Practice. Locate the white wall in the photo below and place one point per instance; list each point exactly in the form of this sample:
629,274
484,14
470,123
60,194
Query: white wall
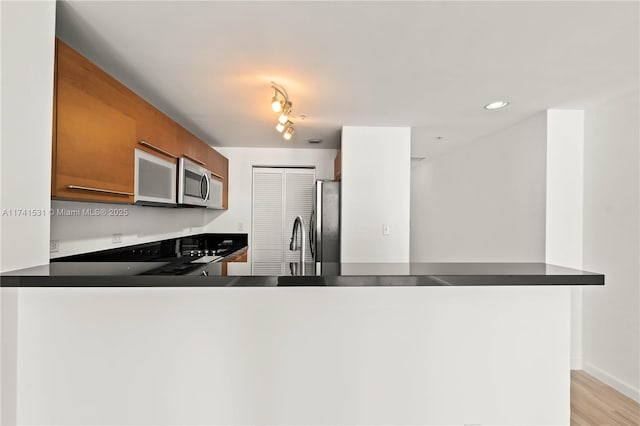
85,233
28,31
611,314
376,183
484,201
27,38
241,161
276,356
565,142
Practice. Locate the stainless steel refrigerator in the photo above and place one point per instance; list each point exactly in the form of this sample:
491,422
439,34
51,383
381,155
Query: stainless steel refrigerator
324,235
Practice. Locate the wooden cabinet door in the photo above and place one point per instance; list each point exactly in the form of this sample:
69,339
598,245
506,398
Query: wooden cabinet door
95,132
191,147
218,164
155,132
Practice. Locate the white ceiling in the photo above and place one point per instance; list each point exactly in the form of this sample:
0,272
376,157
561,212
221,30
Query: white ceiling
428,65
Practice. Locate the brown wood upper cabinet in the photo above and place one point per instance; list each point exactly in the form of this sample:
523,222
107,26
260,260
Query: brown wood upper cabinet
155,132
98,122
337,166
219,167
191,147
95,132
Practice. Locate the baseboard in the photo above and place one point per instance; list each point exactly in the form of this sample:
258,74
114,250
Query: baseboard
576,363
614,382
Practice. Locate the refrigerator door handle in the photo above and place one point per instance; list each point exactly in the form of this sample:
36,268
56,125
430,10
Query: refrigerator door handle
312,239
317,224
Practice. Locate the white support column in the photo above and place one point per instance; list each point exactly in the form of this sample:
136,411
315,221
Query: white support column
376,190
565,145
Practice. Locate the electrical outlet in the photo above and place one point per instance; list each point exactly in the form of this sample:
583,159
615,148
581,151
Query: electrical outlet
54,246
116,238
385,230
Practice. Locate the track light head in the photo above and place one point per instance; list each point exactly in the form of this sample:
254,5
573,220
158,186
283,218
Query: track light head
280,127
288,133
276,104
284,117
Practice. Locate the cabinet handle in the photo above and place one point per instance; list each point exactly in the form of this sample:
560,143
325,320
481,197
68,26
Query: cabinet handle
218,176
108,191
193,159
155,148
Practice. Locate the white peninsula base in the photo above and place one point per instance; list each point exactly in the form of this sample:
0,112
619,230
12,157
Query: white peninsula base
298,355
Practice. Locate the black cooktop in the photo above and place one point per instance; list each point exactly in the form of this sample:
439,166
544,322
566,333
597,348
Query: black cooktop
192,246
173,256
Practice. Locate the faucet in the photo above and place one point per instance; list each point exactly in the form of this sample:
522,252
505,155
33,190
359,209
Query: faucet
298,228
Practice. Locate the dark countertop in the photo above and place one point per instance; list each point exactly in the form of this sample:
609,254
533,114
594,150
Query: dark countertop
179,262
132,274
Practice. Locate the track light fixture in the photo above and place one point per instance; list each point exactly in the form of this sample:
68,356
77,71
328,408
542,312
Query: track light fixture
280,103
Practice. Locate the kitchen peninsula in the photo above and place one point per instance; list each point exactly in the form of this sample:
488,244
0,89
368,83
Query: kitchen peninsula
389,343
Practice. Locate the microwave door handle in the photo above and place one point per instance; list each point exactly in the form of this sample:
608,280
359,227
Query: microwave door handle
202,196
206,197
208,179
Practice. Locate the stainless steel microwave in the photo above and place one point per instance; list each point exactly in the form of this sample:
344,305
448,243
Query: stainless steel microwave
196,187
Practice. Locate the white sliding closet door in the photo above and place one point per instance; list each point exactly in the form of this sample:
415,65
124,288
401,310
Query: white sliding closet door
279,195
267,230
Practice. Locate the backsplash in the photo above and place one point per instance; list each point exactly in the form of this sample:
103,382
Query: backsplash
80,227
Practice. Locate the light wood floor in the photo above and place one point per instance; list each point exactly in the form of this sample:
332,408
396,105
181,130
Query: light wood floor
595,404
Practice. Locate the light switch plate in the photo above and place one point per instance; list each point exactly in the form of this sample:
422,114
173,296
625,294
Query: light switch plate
54,246
116,238
385,230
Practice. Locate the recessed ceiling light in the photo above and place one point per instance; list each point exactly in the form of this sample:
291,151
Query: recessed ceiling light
496,105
